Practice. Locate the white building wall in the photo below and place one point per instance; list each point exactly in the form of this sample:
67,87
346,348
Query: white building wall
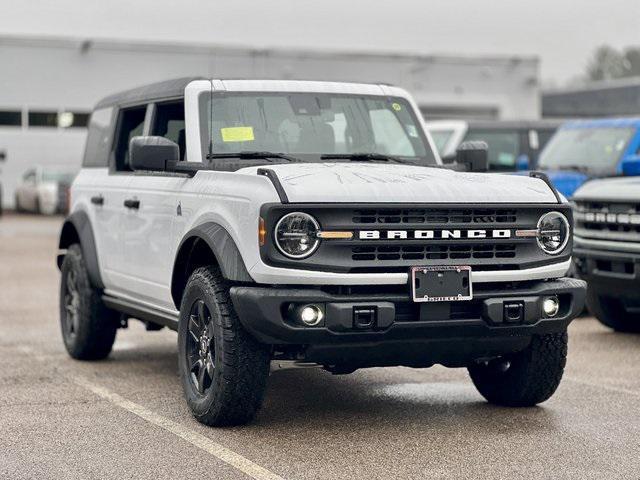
72,75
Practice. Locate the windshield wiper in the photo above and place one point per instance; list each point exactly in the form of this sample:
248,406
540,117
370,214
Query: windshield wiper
363,157
253,155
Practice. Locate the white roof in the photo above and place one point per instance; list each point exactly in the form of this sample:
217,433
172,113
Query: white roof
307,86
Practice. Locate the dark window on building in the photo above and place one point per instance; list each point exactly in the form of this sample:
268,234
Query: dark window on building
130,124
169,123
43,119
463,112
96,153
9,118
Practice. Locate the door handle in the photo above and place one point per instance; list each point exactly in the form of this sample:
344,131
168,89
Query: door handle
132,203
97,200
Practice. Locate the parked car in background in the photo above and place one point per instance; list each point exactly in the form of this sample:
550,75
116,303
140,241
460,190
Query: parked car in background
607,249
585,149
513,145
44,190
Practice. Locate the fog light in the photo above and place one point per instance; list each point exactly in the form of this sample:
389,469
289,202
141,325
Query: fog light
550,306
311,315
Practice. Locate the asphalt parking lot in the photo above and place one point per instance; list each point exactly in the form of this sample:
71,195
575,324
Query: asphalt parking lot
125,417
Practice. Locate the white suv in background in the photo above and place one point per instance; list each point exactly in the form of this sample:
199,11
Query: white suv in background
44,190
309,222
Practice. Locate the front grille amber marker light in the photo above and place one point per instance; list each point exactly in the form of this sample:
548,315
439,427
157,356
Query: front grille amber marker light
527,233
335,235
262,232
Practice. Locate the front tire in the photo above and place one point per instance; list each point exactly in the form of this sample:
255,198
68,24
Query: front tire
223,369
611,312
88,326
526,378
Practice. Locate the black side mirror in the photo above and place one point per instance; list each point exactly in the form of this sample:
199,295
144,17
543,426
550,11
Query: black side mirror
474,156
152,153
3,155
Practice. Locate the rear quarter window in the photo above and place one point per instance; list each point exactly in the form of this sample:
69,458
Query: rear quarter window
96,152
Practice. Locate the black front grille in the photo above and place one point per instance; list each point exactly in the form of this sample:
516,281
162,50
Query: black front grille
608,221
394,238
433,252
438,216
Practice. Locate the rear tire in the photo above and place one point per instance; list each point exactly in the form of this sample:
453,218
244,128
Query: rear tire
611,312
223,369
88,326
526,378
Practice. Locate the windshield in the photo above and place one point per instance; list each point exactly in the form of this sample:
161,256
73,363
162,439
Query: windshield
441,138
591,149
308,125
503,145
53,176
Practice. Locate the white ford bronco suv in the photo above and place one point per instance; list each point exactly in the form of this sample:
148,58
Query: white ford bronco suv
310,223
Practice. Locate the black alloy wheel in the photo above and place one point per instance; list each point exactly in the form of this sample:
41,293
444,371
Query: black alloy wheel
200,351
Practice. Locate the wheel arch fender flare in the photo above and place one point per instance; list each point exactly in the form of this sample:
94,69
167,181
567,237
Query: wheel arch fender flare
77,229
220,243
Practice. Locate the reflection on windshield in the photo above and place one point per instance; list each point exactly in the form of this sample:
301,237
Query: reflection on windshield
589,149
312,124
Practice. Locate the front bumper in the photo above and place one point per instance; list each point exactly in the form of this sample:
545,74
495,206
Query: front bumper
608,271
407,333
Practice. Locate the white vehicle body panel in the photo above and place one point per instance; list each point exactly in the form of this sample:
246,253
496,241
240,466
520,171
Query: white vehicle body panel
611,189
392,183
137,248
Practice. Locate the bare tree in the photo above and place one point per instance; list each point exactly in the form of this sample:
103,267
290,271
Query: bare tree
608,63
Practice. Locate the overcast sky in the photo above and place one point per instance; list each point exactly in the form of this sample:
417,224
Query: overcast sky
561,32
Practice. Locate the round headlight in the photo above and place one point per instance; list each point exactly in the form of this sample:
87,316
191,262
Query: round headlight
296,235
553,232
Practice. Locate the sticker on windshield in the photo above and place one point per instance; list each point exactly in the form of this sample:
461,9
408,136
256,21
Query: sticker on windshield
396,106
237,134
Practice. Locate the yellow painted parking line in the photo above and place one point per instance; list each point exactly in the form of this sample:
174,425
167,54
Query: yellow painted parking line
230,457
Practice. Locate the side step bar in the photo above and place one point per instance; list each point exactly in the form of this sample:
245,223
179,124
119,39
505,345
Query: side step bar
141,312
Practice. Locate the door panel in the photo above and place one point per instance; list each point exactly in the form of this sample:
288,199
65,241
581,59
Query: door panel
108,218
148,247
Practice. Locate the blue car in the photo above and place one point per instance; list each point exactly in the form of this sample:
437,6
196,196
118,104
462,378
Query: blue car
585,149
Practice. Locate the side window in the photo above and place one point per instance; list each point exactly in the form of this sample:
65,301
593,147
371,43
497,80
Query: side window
545,136
130,124
96,152
29,177
169,123
504,146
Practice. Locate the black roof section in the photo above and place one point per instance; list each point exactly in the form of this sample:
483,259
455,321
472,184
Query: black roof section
153,91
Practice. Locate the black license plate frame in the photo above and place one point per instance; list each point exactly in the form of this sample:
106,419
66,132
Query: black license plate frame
441,283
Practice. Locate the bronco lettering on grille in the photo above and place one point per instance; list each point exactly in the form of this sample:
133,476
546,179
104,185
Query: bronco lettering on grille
432,234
